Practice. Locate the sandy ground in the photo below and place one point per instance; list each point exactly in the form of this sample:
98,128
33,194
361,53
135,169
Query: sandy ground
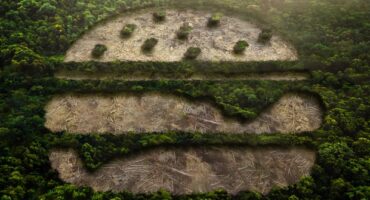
184,171
133,77
151,112
216,43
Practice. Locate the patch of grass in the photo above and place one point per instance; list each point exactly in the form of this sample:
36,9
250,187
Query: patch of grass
192,53
184,31
265,36
159,16
99,50
240,46
149,44
128,30
215,20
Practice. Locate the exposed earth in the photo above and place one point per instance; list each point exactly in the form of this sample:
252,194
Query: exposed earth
189,170
72,75
151,112
216,43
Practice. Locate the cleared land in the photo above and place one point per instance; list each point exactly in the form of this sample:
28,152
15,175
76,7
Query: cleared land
216,43
184,171
151,112
71,75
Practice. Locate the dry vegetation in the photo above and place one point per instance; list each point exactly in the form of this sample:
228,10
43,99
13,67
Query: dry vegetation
151,112
183,171
216,43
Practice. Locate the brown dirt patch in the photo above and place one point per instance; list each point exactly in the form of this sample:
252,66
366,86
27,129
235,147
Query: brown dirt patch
119,114
184,171
132,77
216,43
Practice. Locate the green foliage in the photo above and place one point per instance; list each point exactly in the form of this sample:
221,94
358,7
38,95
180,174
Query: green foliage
98,51
215,20
335,154
184,31
240,46
178,69
149,44
22,57
265,36
192,53
128,30
159,16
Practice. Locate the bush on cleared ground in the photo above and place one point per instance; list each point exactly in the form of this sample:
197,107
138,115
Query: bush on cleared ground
184,31
192,53
240,46
159,16
215,20
265,36
128,30
99,50
149,44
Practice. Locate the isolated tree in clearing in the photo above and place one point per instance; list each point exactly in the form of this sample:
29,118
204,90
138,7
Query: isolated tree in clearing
128,30
265,36
149,44
159,16
192,53
99,50
184,31
215,20
240,46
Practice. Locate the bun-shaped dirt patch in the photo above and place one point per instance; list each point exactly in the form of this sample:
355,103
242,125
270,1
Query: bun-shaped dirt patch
215,42
190,170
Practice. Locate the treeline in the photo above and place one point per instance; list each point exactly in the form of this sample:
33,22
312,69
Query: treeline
179,68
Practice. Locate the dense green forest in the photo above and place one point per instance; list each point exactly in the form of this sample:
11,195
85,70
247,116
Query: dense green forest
333,42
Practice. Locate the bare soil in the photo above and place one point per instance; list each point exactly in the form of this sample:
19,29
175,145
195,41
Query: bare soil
216,43
133,77
151,112
184,171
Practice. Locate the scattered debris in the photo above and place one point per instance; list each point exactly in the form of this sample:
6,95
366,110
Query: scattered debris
189,170
151,112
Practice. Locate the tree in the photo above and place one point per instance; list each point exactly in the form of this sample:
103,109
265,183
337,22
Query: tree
98,51
23,58
149,44
334,156
159,16
127,30
192,53
265,36
215,20
184,31
240,46
47,9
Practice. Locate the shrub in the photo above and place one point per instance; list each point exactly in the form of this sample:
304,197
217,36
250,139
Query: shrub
240,46
192,53
149,44
159,16
184,31
98,50
127,30
265,36
215,20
